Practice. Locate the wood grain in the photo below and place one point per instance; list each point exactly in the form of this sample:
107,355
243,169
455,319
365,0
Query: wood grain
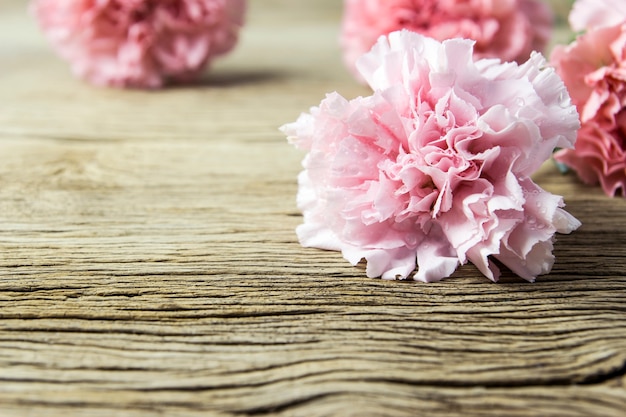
149,267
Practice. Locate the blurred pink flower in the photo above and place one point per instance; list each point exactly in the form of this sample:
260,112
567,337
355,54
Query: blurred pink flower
593,68
506,29
434,168
600,156
590,14
140,43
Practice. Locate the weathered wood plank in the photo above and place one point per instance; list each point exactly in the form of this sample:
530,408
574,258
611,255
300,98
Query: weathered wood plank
148,263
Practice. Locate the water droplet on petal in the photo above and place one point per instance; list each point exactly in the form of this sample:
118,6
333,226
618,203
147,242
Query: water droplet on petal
353,171
541,208
411,240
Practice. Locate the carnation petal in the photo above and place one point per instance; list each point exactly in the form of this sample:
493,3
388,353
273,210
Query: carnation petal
436,261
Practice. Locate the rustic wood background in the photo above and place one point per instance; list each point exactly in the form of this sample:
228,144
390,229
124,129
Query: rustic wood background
149,265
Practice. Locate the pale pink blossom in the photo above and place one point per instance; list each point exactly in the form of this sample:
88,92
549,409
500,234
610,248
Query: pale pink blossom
593,68
433,169
590,14
506,29
140,43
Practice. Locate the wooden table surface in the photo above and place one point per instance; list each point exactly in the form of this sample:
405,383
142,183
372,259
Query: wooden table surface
149,265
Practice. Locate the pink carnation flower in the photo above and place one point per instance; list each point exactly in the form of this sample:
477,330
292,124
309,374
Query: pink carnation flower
432,170
506,29
594,69
590,14
140,43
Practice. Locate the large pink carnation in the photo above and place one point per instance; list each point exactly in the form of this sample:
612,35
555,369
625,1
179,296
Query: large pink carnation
594,69
434,168
140,43
506,29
